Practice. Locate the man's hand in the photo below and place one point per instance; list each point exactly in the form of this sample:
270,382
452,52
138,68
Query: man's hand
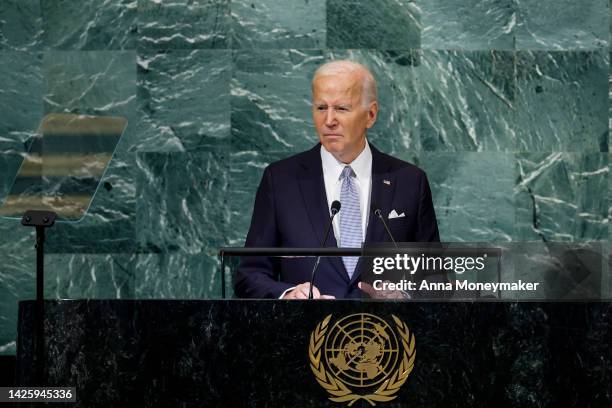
301,292
382,294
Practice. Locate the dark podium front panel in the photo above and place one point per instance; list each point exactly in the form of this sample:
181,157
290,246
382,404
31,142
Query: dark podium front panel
258,353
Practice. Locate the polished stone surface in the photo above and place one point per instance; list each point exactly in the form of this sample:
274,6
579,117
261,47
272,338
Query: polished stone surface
453,187
504,103
270,100
183,100
255,353
182,234
89,25
468,100
274,24
468,24
373,24
20,25
183,24
245,173
190,191
562,101
21,100
178,275
94,276
562,24
559,197
90,82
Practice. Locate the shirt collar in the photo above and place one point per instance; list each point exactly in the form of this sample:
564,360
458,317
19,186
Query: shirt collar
362,165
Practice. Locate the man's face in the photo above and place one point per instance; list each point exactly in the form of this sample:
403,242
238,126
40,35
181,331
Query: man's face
340,116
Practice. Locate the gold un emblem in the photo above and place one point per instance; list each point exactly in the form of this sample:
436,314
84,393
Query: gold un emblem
361,356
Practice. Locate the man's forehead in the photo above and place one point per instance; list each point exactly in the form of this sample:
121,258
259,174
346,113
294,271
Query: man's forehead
336,85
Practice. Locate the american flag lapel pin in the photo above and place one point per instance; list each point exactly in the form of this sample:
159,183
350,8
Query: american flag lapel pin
387,182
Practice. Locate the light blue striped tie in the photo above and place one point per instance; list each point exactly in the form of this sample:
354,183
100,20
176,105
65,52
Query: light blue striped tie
350,218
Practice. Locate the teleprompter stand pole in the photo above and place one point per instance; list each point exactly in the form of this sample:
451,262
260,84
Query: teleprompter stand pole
41,220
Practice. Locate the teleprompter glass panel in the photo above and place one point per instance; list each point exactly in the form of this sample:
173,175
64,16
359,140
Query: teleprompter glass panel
64,164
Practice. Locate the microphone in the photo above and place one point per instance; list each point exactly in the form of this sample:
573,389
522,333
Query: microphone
378,213
335,209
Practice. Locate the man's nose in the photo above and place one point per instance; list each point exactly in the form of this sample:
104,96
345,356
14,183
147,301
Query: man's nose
330,117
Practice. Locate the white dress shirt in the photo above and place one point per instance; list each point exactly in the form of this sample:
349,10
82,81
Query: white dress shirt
362,166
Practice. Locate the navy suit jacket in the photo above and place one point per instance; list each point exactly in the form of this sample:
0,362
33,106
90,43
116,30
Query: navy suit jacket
291,210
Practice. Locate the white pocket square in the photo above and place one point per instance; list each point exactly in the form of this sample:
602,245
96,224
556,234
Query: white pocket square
394,214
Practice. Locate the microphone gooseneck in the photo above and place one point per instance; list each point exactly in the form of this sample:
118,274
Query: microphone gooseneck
378,213
335,209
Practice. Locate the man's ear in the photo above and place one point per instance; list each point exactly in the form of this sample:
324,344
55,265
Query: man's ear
372,114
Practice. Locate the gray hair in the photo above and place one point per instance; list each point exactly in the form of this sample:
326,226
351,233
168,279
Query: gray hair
368,91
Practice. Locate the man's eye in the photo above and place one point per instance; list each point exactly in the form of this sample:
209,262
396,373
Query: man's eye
321,108
343,109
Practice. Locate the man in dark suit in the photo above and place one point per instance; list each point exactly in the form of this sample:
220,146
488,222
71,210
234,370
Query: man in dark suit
292,205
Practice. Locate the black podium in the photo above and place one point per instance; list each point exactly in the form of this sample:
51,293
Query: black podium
234,353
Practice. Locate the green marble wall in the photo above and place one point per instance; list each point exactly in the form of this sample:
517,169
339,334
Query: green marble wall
503,103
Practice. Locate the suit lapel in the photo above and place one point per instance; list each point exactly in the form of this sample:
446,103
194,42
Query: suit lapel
312,187
381,196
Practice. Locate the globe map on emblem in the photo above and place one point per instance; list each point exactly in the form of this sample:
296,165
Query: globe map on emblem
361,350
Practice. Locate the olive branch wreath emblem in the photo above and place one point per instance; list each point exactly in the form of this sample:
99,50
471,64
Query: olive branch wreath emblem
338,391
